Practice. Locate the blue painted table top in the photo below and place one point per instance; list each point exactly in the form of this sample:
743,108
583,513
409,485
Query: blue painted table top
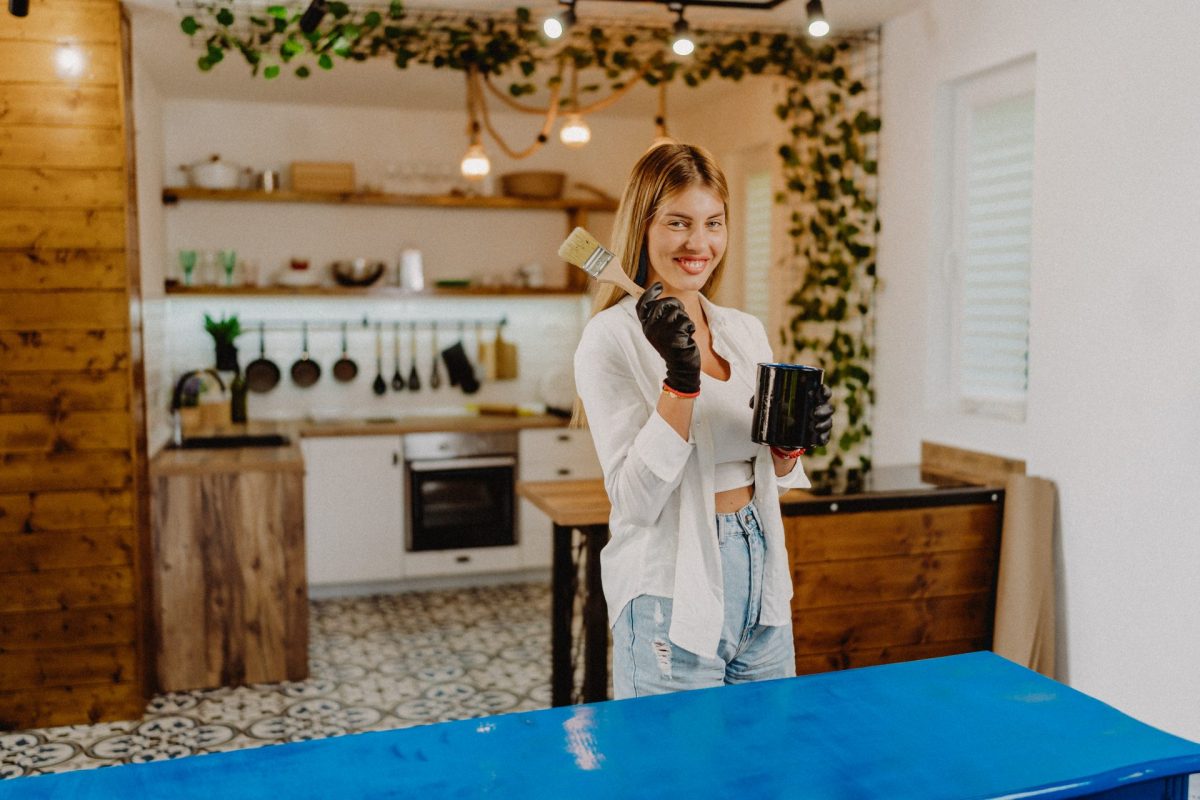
967,726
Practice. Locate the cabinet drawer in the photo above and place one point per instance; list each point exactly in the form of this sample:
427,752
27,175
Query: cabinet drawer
461,562
557,454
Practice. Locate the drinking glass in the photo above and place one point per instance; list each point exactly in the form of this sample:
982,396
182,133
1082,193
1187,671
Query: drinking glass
187,263
228,263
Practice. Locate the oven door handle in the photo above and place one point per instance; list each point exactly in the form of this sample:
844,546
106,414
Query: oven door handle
463,463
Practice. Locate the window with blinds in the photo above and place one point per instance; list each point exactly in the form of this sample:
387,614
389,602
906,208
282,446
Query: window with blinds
991,233
757,256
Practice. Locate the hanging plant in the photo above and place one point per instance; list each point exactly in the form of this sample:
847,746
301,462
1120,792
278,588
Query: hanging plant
828,159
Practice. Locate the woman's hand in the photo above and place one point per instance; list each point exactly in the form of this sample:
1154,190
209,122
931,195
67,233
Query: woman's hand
822,426
669,330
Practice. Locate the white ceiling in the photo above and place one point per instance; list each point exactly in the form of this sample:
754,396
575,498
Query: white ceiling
169,57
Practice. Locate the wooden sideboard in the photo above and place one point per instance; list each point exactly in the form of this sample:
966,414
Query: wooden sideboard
898,570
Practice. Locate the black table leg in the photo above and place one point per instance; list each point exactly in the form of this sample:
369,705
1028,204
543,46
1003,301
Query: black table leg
595,620
562,608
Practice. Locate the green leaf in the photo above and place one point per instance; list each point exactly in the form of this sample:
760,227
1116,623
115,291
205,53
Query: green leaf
302,71
271,72
338,9
278,12
204,64
225,17
372,19
395,9
325,61
189,25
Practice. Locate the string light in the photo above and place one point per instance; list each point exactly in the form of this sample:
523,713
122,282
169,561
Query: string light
556,25
817,25
682,44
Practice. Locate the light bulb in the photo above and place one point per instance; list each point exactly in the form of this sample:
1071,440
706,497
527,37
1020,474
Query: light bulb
69,60
683,45
817,26
575,132
475,164
552,27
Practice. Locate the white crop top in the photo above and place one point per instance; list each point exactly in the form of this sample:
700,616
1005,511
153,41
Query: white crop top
727,407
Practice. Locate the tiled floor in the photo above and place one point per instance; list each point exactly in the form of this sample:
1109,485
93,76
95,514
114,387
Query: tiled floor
377,663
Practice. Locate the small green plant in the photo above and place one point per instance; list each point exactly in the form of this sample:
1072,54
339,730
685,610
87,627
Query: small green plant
224,330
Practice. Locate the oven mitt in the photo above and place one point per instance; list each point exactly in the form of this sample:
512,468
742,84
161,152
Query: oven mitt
458,366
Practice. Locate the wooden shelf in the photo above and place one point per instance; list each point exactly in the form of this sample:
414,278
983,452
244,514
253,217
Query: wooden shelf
369,291
173,194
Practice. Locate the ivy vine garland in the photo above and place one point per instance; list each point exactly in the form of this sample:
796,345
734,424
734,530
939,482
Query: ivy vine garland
828,161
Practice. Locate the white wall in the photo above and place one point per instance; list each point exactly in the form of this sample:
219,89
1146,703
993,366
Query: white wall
456,243
1114,371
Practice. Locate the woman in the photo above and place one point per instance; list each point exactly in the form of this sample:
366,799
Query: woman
695,574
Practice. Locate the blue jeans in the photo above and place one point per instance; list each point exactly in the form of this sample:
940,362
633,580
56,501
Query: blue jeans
645,661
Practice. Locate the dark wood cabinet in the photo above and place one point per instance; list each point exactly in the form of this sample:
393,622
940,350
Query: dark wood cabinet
898,571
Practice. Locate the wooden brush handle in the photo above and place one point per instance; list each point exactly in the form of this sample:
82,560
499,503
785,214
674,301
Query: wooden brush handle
612,273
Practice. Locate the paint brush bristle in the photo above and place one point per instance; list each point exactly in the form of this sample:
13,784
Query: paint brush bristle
585,251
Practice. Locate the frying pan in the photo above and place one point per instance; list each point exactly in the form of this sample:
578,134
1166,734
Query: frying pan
344,369
262,374
305,371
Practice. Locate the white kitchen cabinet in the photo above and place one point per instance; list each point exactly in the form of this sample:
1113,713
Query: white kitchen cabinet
549,454
354,508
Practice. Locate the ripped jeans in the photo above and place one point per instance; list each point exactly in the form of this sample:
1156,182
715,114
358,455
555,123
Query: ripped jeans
646,662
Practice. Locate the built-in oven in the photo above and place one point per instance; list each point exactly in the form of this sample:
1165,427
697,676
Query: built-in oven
460,489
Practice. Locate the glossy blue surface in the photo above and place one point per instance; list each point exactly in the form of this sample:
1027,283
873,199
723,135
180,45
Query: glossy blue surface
969,726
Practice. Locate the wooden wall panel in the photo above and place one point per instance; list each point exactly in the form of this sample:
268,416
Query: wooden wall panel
57,228
74,351
940,619
57,146
839,583
54,187
60,104
84,627
71,705
40,551
895,533
37,62
64,432
63,310
37,472
72,532
45,270
63,391
81,587
851,659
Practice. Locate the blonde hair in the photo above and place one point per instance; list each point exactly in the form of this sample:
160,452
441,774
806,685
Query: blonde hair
662,172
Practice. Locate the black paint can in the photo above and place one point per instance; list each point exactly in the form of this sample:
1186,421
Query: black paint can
784,401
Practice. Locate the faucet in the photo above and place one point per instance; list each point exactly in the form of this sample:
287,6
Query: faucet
177,401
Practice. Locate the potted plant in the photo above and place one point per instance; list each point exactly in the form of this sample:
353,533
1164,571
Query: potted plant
224,332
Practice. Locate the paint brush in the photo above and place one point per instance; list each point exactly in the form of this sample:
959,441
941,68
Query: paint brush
584,251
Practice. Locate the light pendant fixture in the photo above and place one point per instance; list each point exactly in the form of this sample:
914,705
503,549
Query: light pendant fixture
817,25
475,164
575,132
682,44
555,26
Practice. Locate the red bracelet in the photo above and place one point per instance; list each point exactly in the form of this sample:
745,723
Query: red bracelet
787,454
677,393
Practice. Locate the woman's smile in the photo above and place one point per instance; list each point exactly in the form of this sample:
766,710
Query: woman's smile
686,240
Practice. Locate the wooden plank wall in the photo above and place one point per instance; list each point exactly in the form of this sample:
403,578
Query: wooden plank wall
72,449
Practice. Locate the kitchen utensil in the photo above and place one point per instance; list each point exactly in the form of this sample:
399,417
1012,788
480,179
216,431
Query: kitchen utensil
262,374
305,371
379,386
344,369
487,354
435,378
459,368
357,272
784,400
414,380
397,378
585,251
505,355
212,173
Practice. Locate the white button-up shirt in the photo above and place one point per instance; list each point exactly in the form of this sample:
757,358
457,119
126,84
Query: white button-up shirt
663,522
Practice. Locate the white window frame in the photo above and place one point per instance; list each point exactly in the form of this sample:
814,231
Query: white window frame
996,86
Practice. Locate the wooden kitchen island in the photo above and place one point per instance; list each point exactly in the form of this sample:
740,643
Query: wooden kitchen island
230,595
895,570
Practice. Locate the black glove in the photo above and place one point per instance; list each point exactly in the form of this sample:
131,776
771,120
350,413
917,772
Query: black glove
823,417
669,329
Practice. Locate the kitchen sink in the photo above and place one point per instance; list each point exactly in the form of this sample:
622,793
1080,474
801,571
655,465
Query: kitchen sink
226,442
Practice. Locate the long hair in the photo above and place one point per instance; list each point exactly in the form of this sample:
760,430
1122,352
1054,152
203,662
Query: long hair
662,172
